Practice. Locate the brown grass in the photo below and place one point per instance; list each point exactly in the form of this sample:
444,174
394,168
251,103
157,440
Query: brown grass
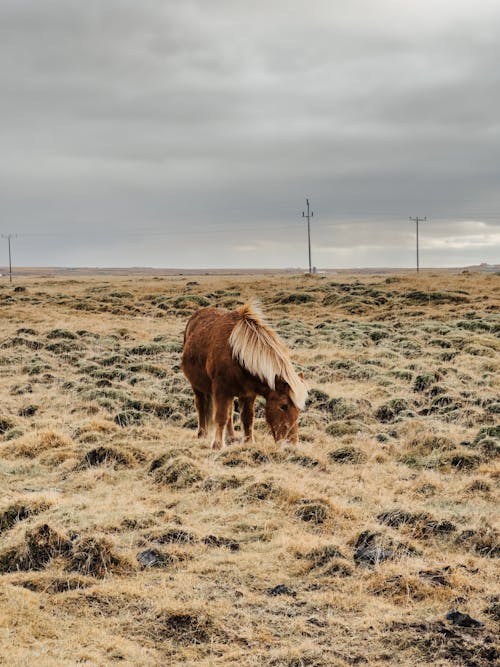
125,540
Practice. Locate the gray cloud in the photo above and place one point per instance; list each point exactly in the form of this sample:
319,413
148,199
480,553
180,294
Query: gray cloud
189,133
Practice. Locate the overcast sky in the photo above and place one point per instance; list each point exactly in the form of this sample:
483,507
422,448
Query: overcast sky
188,133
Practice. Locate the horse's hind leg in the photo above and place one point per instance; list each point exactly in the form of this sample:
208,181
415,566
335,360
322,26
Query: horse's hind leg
223,413
247,416
230,435
203,404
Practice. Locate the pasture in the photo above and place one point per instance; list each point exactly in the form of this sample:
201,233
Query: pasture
124,540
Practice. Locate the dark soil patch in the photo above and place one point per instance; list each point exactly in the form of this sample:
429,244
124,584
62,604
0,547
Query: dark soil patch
436,641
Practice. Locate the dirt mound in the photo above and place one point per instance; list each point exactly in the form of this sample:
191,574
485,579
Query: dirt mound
96,557
347,454
226,542
485,541
106,455
183,627
54,584
249,456
179,473
436,641
19,511
312,511
40,545
172,536
374,548
418,524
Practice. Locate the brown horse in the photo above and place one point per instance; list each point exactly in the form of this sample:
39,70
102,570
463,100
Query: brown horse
234,353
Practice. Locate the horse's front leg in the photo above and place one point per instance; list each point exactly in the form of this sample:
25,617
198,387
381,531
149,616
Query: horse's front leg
247,416
223,413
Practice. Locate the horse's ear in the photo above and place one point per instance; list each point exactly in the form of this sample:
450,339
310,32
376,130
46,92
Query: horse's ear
280,384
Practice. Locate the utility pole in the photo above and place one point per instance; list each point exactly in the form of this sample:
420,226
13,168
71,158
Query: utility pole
417,220
308,216
9,237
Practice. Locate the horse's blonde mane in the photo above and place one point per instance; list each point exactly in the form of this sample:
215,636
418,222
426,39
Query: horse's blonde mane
261,352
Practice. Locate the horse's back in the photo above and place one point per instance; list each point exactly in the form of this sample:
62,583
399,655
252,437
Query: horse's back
206,325
206,345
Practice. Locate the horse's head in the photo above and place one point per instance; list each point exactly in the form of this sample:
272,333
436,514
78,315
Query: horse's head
282,414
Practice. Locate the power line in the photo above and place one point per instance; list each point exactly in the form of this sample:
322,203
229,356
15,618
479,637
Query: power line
417,220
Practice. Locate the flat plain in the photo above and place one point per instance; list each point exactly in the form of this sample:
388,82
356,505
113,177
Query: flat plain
125,540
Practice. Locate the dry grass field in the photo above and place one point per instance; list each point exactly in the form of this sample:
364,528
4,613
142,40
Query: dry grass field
124,540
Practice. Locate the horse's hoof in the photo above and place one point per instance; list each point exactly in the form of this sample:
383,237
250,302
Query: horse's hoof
216,444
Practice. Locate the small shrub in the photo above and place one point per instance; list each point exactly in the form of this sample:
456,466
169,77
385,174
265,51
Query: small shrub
347,455
183,627
261,491
6,423
390,411
128,418
180,473
296,298
106,455
373,548
312,511
226,542
61,333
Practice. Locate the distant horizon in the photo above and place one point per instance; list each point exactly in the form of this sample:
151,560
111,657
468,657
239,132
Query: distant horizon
27,271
